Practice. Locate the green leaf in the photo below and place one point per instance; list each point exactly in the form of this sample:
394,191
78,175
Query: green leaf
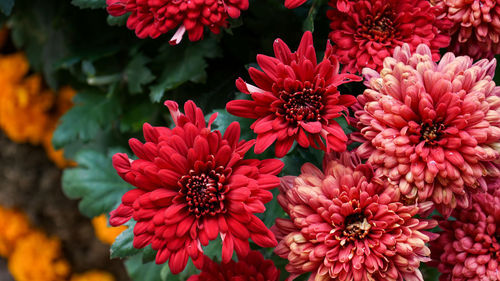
123,246
136,114
142,272
118,21
214,249
429,273
148,254
137,74
166,275
38,30
6,6
313,11
95,181
89,4
224,119
183,65
273,210
91,113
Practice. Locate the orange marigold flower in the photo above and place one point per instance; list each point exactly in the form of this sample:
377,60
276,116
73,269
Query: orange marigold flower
93,275
24,106
107,234
38,257
13,226
28,111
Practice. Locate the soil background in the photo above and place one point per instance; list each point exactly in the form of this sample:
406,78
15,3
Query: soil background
30,182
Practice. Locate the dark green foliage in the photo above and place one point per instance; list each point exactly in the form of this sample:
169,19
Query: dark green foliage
6,6
95,182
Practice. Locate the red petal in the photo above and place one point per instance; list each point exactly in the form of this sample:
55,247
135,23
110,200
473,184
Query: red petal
120,215
268,64
227,248
211,227
312,127
292,4
283,146
264,141
232,134
178,261
281,50
271,166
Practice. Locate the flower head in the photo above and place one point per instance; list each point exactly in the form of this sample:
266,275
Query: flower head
154,18
251,267
475,26
430,128
373,28
296,98
13,226
23,103
29,112
345,224
38,257
468,248
192,185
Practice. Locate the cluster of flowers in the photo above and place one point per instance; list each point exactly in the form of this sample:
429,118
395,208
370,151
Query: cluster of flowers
429,134
364,32
32,255
29,112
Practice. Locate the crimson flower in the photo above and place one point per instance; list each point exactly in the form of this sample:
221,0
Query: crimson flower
373,28
295,99
253,267
468,248
154,18
192,185
475,26
347,225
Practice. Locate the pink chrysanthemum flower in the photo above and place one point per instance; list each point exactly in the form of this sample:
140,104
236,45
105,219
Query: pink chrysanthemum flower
154,18
253,267
296,99
475,26
468,248
431,127
193,185
347,225
373,28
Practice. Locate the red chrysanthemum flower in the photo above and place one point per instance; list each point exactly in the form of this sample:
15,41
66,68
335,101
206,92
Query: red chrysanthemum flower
475,26
347,225
468,248
193,184
295,99
431,127
373,28
253,267
153,18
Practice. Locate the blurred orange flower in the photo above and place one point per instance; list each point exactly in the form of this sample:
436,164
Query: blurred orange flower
38,257
29,112
13,226
107,234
